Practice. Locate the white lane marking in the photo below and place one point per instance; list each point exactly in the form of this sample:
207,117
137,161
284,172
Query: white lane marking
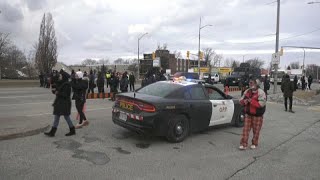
5,105
15,97
96,109
8,105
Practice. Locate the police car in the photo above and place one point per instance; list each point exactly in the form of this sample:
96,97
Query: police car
175,109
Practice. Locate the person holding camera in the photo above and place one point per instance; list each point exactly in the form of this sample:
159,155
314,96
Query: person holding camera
254,102
62,104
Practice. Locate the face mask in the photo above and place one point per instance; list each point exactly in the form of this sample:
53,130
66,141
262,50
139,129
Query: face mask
253,87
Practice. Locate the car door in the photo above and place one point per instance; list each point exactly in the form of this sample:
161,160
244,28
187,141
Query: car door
222,108
199,107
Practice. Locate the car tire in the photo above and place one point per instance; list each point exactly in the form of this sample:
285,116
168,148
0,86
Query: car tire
240,119
178,129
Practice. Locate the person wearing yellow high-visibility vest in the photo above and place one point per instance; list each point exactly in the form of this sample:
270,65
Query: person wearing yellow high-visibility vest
108,77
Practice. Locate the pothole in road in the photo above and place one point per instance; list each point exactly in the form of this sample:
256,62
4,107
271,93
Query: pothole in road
88,139
143,145
97,158
122,151
68,144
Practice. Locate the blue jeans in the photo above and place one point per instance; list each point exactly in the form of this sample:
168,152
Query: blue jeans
57,118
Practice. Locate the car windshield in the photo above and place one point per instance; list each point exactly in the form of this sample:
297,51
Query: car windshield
159,89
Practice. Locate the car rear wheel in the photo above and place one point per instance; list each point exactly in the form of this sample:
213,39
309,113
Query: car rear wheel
240,120
178,129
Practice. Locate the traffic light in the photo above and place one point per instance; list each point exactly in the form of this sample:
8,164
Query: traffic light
188,54
201,55
153,56
281,52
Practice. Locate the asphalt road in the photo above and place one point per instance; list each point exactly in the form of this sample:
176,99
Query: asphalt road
289,147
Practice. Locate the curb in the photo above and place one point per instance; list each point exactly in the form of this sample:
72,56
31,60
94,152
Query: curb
24,133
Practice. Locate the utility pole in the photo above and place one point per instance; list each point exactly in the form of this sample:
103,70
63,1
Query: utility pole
304,57
199,49
277,48
139,53
200,27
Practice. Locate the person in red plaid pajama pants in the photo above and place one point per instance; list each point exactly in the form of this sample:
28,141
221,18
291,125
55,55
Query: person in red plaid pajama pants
254,102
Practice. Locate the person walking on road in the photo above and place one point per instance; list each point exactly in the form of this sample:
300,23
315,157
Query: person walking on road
62,105
114,83
92,85
124,82
266,85
100,84
41,79
80,87
254,102
303,82
108,77
132,80
295,82
287,88
310,79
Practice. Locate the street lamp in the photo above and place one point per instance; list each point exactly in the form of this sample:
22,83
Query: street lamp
200,27
139,53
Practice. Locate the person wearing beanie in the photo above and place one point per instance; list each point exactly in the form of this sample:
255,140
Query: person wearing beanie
80,87
254,102
62,105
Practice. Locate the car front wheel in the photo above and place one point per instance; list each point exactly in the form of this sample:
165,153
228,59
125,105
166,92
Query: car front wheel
240,120
178,129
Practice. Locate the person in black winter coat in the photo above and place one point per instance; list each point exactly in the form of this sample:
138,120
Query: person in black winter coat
132,80
310,79
80,87
124,83
295,82
92,85
100,84
114,83
62,105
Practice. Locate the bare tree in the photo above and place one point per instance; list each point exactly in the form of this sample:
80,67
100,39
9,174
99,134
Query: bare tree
104,61
208,54
89,62
235,64
163,47
46,48
119,61
216,60
228,62
4,41
177,54
255,62
295,65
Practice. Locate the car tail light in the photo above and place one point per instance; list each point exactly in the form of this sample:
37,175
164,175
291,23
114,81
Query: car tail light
146,107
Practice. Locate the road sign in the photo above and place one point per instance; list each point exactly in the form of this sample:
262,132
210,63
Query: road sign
156,62
275,58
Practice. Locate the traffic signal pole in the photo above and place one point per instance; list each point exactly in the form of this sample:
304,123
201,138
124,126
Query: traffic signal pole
277,49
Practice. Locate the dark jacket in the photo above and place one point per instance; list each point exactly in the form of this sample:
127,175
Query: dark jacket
79,87
91,81
62,103
132,79
114,83
266,84
124,84
287,87
100,81
310,79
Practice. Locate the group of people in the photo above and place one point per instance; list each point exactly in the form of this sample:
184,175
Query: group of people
305,82
62,86
80,84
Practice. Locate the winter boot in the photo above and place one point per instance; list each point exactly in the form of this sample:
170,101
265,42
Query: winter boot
52,132
72,132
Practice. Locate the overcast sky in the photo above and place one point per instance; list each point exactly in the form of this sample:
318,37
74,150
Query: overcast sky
110,28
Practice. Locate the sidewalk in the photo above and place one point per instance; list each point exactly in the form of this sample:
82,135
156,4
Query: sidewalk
21,126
